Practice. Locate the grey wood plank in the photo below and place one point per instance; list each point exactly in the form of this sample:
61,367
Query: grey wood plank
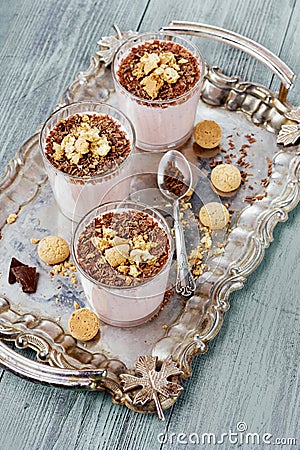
250,371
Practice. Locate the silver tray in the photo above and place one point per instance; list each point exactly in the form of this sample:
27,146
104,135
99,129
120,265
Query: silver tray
181,330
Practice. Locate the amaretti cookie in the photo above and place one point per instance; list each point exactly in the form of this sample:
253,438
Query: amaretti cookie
83,324
53,250
208,134
214,215
226,178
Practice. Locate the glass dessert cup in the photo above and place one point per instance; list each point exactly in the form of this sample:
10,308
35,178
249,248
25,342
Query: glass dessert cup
124,306
76,195
160,125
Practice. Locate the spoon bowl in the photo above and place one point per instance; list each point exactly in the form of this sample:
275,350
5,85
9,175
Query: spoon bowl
176,160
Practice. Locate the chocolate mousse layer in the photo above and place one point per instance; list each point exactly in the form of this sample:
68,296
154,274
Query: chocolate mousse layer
123,248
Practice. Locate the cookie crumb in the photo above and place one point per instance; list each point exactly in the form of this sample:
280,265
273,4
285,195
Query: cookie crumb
34,241
76,306
11,218
73,279
64,269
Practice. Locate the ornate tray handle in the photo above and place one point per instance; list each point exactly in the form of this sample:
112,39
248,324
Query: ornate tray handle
252,48
31,370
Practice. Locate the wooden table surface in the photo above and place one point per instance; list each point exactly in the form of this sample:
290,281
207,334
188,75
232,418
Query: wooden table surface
250,372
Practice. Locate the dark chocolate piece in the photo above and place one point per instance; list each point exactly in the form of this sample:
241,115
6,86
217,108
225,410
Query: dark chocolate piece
14,263
26,276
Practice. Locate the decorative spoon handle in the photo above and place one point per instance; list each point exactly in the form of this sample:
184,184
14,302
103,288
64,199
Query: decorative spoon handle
185,283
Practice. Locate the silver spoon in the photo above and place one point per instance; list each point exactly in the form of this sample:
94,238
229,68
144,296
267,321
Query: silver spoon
173,166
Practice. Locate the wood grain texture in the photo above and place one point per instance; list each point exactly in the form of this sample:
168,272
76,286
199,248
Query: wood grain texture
250,371
44,44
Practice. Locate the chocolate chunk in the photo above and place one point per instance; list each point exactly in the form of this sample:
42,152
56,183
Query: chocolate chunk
14,263
26,276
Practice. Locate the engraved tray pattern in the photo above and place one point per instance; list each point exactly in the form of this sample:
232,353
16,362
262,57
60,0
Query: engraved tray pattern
24,189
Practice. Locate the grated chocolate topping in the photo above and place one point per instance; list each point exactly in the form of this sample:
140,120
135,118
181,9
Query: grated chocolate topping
134,232
86,163
189,72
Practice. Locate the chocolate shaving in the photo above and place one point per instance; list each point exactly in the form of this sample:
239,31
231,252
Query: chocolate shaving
173,180
189,71
87,165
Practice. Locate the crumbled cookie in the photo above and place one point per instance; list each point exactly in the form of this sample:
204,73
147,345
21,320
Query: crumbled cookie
152,84
226,178
83,324
208,134
53,250
116,256
11,218
85,140
160,68
73,280
214,215
139,256
65,269
148,62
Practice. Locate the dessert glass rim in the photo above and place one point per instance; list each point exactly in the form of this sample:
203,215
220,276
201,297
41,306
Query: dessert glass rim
115,206
97,176
150,34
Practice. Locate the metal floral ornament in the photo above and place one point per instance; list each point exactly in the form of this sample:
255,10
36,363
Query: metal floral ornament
289,134
110,44
152,382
